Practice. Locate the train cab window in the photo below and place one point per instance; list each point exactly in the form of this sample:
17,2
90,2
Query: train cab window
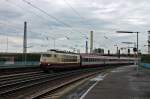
55,56
45,55
49,55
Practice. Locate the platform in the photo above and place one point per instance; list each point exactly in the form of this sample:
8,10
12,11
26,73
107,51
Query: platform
122,83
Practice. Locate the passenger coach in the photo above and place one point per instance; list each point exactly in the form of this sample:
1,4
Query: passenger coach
94,60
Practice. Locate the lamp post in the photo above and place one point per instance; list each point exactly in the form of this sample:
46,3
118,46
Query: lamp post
137,33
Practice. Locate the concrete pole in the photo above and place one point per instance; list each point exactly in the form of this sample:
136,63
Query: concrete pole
91,41
117,50
7,44
137,53
148,42
54,43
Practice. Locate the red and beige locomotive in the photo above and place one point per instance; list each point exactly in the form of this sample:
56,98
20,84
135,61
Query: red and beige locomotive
54,59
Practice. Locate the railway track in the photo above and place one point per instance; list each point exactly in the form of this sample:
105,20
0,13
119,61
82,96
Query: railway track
19,75
36,85
13,71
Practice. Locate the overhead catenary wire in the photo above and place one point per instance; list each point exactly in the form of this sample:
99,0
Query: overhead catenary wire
55,18
78,14
29,3
17,5
12,24
17,28
30,11
51,16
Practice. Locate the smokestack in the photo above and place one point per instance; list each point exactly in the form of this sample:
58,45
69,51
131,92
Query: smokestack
91,42
25,38
148,42
86,47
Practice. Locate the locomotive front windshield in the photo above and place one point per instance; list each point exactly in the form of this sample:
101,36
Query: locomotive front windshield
46,55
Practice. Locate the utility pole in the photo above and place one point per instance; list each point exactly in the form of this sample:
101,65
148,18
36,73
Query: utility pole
7,44
25,41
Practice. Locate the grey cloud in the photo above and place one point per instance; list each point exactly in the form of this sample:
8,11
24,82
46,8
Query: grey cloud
106,17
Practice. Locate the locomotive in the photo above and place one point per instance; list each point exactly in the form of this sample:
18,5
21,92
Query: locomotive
57,60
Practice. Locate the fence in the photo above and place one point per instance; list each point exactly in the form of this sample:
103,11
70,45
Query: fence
19,64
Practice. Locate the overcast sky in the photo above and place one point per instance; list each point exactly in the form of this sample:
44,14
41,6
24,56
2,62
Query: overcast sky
69,22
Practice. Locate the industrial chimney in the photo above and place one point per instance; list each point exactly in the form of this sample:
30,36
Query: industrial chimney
86,47
91,41
25,38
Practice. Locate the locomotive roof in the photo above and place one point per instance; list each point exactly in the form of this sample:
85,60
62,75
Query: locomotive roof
53,51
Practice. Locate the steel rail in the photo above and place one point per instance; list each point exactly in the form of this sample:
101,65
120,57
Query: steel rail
57,87
19,77
28,83
18,74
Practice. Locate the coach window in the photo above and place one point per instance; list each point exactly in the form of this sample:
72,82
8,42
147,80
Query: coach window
90,59
97,60
87,60
83,59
